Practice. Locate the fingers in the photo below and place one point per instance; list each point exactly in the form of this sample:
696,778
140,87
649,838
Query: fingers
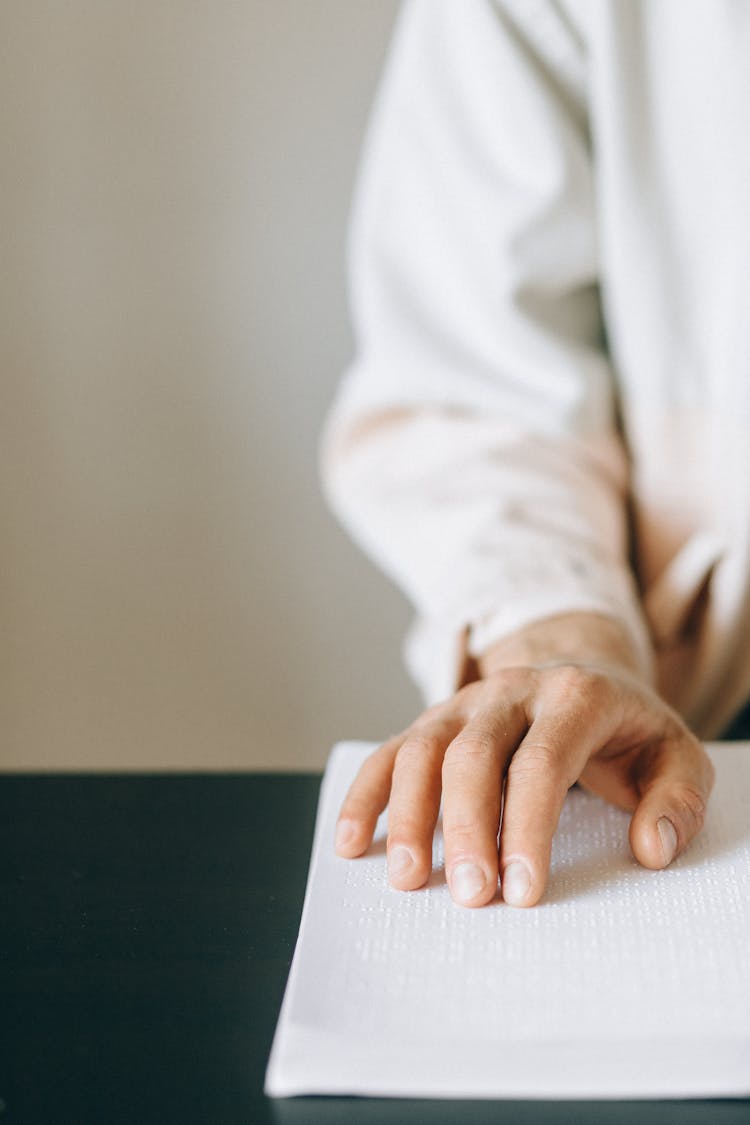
366,799
569,713
448,752
540,774
404,773
473,771
536,731
674,788
415,802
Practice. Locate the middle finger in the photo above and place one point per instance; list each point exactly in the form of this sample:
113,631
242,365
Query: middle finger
415,801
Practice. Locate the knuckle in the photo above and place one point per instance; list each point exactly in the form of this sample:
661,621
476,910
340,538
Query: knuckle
506,679
467,749
418,745
431,714
535,760
690,806
578,687
461,832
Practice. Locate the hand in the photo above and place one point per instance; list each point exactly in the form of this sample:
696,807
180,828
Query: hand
532,730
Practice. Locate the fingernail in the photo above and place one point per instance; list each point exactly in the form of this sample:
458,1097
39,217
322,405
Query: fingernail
345,833
400,860
515,883
467,880
668,838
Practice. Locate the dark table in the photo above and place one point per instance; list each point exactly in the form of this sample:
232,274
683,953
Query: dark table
147,924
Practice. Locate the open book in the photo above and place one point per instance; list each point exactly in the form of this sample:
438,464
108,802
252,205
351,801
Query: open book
622,983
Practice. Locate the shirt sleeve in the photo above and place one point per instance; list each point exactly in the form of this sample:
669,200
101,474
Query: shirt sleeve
473,449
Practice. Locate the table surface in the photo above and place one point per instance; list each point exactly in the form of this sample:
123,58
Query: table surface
147,925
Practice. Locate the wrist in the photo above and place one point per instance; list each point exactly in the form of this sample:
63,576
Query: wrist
570,638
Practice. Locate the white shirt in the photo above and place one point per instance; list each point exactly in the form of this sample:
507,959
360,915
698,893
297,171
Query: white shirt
549,408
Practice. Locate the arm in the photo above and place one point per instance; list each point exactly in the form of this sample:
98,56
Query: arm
474,452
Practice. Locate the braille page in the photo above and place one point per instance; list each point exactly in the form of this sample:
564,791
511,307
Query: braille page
622,983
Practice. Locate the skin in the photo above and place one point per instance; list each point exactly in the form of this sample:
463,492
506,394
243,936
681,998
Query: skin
558,703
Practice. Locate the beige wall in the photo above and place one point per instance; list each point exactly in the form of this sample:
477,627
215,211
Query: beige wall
174,182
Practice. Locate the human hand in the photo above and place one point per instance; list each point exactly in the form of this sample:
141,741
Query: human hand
531,732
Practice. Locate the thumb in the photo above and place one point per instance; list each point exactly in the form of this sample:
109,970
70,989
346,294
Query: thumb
674,791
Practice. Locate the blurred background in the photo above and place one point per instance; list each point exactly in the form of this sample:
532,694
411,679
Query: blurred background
175,180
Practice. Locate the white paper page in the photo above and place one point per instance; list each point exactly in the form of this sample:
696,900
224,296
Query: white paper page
623,982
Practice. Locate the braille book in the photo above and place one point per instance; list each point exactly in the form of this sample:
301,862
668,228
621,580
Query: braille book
622,982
